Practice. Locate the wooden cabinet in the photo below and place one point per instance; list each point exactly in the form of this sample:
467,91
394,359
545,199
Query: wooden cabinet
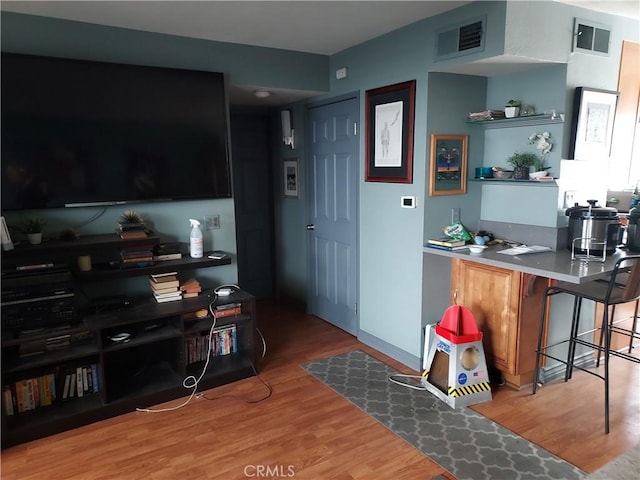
507,307
48,340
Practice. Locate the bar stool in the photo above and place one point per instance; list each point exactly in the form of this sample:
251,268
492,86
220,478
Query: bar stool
621,287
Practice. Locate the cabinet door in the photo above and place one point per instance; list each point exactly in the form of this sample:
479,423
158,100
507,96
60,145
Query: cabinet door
492,294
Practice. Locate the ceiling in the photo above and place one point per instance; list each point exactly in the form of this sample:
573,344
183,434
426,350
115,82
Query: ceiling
321,27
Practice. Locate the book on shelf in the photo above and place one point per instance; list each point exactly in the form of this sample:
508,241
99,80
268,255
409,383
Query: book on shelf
167,256
446,242
167,248
227,310
131,226
450,249
164,277
191,286
164,291
133,234
168,299
173,284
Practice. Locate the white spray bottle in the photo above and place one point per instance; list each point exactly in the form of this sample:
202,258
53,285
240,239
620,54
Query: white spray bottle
195,239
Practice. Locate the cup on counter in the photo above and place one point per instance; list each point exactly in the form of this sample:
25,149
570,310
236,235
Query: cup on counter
484,172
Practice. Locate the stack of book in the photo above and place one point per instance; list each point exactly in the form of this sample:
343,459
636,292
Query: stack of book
446,243
165,287
131,230
486,115
167,251
221,311
190,288
138,256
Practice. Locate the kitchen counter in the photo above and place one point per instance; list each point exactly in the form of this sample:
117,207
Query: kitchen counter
555,265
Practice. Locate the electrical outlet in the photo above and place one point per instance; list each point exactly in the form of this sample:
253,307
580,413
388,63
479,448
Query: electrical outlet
211,222
569,198
455,215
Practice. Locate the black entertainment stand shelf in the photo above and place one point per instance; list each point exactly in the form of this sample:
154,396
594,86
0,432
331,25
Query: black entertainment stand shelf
106,272
157,344
83,350
81,245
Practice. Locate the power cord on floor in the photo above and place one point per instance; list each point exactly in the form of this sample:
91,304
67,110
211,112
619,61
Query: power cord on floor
410,381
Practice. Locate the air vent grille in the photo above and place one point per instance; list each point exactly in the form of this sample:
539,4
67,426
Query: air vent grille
470,36
591,37
461,39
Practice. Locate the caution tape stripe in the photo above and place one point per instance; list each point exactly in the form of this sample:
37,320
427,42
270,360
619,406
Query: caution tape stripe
469,389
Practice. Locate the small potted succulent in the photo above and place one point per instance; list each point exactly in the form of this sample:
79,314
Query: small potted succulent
512,108
32,228
521,163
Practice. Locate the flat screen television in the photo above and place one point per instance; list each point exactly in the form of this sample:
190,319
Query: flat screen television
83,133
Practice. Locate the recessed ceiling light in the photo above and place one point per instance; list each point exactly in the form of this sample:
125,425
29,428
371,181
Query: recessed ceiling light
262,93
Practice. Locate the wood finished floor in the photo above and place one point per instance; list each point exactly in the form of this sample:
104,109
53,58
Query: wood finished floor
306,431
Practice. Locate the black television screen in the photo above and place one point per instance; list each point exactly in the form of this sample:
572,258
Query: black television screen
78,133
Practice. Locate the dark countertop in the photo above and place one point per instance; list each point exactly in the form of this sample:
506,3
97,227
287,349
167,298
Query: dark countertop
555,265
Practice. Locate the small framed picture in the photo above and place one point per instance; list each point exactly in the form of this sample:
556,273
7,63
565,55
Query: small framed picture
291,178
448,165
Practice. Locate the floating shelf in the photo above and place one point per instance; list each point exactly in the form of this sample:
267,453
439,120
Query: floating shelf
517,121
511,181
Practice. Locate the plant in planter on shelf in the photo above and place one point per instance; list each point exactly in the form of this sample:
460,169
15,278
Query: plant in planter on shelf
521,163
130,216
543,144
32,227
512,108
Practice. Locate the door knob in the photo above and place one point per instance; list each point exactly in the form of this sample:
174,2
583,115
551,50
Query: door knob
311,227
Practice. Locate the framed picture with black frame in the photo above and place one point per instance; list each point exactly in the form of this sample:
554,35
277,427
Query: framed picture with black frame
594,111
291,178
448,165
389,123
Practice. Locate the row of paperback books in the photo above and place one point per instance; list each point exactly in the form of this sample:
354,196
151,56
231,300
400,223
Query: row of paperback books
223,342
42,391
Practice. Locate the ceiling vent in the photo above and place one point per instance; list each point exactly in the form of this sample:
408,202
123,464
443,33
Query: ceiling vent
591,37
460,40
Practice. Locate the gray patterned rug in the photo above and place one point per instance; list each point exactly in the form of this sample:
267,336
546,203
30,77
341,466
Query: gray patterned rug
463,442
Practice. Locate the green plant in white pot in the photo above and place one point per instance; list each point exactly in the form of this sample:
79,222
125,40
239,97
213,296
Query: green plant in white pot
521,163
542,141
512,108
32,228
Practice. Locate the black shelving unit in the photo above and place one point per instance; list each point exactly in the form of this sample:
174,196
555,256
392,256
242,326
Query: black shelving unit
147,369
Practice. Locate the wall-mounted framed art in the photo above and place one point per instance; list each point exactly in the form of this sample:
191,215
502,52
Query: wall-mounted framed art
291,178
389,122
448,165
594,111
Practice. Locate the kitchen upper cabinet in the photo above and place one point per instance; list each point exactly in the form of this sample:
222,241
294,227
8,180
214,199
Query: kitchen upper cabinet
507,307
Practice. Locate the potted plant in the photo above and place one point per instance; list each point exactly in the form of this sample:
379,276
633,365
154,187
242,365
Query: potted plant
521,163
32,227
512,108
542,141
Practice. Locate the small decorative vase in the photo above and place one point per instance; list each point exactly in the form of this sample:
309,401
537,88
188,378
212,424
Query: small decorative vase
34,238
511,112
521,173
